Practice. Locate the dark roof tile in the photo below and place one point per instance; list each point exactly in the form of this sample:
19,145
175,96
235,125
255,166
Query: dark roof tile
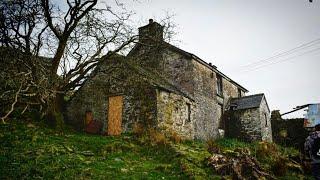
247,102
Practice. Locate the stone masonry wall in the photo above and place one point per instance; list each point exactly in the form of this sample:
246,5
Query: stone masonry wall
206,113
178,69
266,129
173,114
199,81
229,91
113,78
288,132
245,124
250,124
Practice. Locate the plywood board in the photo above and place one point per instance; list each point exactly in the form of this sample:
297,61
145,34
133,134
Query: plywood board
115,115
89,118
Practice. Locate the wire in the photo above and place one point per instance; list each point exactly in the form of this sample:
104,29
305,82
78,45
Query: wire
283,60
288,52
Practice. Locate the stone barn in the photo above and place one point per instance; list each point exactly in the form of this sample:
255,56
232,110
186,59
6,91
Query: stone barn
249,118
159,85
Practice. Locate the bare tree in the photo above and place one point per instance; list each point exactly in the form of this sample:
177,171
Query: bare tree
73,40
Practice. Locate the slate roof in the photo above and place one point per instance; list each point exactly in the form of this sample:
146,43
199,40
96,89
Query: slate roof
246,102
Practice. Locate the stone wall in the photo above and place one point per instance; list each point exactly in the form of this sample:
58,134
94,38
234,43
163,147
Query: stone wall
288,132
244,124
111,79
174,115
199,81
179,70
206,113
252,124
266,128
229,91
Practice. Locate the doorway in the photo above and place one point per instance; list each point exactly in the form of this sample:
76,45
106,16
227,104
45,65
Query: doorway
115,115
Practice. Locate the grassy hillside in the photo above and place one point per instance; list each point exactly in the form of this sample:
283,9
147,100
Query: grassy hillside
31,151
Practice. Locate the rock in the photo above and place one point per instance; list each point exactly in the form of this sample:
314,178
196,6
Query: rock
124,170
29,125
87,153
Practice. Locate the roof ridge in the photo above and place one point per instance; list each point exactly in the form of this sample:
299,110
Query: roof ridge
253,95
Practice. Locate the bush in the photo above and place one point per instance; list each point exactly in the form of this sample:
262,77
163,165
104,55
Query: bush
174,137
279,166
213,147
266,150
138,129
156,137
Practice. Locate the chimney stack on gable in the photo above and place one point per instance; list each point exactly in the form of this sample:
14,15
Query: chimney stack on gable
151,32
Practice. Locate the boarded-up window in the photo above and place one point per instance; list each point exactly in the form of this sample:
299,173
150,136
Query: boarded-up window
115,115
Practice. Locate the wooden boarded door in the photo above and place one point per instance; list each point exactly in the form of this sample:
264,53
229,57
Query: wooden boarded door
115,115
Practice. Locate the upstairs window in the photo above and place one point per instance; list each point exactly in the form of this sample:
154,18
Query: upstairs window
219,85
239,92
266,119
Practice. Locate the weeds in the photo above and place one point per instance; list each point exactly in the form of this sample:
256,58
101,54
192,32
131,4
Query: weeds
175,137
157,137
213,147
138,129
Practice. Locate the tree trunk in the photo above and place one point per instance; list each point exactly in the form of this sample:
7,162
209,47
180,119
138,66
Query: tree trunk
55,112
57,57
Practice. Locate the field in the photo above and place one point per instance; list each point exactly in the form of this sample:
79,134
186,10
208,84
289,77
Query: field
34,151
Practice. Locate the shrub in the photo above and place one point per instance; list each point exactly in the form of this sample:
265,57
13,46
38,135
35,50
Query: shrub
266,149
213,147
138,129
156,137
174,137
279,166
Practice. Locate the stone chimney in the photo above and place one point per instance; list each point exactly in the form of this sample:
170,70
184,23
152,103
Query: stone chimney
151,32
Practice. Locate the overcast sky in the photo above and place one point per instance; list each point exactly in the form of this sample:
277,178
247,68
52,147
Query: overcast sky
234,34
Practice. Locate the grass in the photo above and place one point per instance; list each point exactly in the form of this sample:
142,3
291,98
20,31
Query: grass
33,151
38,152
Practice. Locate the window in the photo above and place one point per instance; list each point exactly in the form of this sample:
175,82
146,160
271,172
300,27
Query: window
189,112
212,75
219,85
239,92
266,119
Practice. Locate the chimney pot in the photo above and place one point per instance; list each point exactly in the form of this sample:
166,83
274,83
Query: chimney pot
150,21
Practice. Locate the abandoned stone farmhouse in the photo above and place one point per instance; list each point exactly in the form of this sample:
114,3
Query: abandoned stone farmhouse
160,85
